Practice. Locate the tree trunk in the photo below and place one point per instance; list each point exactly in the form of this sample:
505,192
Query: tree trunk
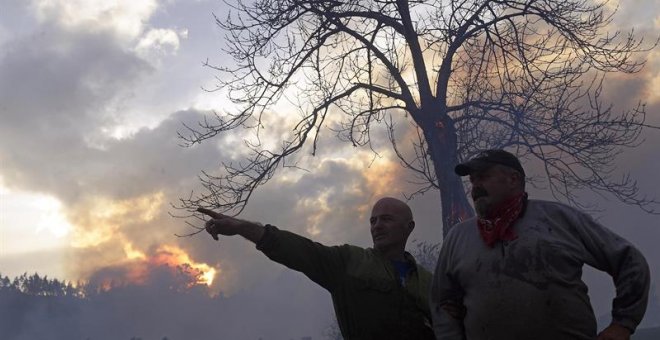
441,139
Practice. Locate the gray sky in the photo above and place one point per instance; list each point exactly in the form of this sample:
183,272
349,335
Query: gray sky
92,94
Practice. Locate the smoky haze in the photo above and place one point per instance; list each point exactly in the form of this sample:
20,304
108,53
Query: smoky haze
89,115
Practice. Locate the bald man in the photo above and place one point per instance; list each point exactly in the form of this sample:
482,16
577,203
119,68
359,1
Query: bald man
378,293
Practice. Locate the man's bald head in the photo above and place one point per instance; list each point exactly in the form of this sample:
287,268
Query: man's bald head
391,224
395,206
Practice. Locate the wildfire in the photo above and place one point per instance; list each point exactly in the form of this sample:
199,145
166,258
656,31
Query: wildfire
175,257
132,253
169,263
104,232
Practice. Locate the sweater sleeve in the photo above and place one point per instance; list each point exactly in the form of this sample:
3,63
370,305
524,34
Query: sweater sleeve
446,298
322,264
610,253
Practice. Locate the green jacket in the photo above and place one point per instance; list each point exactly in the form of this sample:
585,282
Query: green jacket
369,301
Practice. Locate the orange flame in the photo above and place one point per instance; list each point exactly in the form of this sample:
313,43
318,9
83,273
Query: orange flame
139,269
173,256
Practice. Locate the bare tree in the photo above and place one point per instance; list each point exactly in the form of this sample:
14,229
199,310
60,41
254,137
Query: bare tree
524,75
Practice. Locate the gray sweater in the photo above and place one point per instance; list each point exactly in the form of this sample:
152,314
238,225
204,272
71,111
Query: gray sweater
531,287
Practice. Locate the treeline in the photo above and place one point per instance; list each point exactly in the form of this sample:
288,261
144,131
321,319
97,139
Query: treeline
36,285
165,303
33,306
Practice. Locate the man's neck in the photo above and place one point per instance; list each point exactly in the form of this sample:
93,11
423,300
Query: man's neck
495,211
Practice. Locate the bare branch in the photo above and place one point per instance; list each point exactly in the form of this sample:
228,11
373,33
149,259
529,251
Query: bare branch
525,75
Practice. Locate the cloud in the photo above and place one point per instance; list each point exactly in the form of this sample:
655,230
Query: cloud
158,42
58,89
125,18
70,82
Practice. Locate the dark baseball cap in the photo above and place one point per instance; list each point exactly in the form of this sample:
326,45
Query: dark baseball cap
488,158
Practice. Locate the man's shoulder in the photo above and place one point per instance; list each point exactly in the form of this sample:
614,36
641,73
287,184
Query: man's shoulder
356,253
462,235
464,227
468,222
355,249
552,208
548,204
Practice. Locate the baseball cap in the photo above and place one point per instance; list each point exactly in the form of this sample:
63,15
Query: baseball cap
488,158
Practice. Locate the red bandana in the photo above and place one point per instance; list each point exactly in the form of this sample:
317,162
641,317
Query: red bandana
499,225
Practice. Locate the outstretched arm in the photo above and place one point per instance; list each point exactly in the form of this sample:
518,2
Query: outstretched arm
322,264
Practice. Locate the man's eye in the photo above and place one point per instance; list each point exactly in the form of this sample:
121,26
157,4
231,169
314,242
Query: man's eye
480,177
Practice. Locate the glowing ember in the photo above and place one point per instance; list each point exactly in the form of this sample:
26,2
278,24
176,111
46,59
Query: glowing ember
207,277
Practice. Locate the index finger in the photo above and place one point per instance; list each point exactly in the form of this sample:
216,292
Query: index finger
209,212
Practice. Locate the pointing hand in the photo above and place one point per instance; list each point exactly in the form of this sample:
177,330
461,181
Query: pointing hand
220,224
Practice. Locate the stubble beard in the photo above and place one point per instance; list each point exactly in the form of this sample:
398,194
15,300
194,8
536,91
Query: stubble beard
482,206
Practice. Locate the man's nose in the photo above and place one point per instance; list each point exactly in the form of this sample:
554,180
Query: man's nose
478,191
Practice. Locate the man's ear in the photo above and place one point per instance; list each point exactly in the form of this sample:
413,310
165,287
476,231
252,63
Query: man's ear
514,178
411,225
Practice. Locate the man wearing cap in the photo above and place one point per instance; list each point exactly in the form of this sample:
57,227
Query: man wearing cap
514,271
378,293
